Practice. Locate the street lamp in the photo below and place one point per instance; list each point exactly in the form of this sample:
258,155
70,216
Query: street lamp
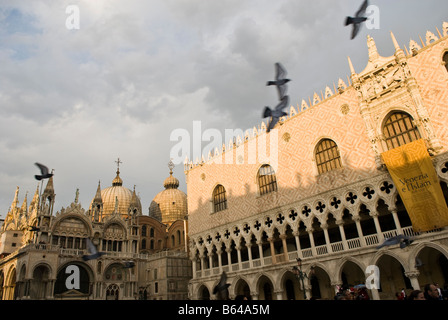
300,275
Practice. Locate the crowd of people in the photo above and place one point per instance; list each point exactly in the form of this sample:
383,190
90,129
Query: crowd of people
430,291
358,292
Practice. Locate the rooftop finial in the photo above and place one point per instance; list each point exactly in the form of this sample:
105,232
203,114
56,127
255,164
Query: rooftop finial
117,181
171,166
352,70
397,47
118,164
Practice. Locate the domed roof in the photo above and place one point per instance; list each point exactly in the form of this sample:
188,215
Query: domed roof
117,195
170,204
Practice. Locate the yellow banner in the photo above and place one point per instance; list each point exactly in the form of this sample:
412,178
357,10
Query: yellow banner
413,173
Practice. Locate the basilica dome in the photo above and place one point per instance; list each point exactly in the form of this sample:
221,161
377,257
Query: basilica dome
170,204
117,196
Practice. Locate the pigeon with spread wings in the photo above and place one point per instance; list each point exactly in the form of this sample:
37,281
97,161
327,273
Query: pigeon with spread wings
280,80
400,239
357,19
94,253
44,172
221,290
277,113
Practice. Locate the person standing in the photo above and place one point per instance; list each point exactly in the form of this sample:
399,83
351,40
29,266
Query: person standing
431,292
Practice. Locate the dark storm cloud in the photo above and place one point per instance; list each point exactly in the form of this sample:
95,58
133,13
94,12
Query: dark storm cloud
137,70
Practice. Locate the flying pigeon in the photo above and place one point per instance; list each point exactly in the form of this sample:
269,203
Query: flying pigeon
94,254
45,173
129,264
221,290
358,19
276,113
280,80
399,239
405,242
418,262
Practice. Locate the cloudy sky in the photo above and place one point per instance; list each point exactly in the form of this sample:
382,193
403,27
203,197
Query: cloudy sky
138,70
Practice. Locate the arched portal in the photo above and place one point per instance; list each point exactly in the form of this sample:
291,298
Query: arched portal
73,281
432,266
203,293
392,277
40,285
352,274
292,287
242,289
320,284
265,288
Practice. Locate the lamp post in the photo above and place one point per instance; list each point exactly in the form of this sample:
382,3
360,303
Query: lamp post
297,270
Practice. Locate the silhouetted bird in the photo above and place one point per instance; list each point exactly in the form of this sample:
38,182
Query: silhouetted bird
418,262
94,254
280,80
45,173
276,113
221,290
33,228
358,19
129,264
404,241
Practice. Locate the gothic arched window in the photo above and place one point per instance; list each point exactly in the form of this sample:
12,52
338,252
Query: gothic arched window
399,129
219,198
267,180
327,156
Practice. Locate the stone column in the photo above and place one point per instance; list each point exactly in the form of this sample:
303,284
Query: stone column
219,252
271,243
340,223
378,227
260,250
299,249
279,295
375,294
202,258
397,221
324,227
313,246
249,253
413,277
210,260
238,251
358,227
229,257
285,247
194,266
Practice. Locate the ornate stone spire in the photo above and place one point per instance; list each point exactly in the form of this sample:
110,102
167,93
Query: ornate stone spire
373,51
397,47
350,64
98,198
24,209
16,199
